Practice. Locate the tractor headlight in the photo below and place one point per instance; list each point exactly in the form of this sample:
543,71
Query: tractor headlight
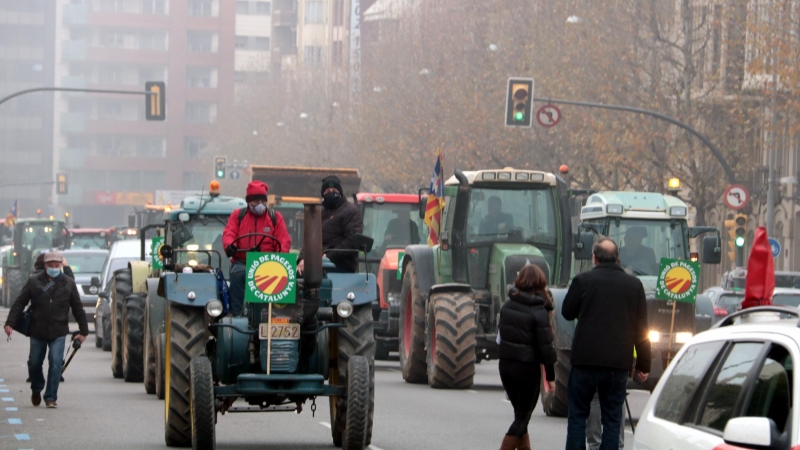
344,309
214,308
654,336
682,338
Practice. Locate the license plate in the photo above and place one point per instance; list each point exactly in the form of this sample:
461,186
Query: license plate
89,309
288,331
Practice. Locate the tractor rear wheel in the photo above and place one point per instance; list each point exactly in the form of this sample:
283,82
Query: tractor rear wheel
359,409
122,288
149,357
15,282
381,351
554,403
412,329
132,358
358,339
186,339
160,347
451,340
203,413
107,336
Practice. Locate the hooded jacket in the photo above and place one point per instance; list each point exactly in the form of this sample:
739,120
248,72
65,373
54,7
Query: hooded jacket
50,311
252,223
339,226
525,333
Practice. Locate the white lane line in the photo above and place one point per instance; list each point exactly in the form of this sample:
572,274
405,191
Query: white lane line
11,408
471,391
3,390
325,424
22,437
15,421
8,399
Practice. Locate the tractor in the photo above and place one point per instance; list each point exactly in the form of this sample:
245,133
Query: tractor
392,220
494,222
31,236
272,358
636,220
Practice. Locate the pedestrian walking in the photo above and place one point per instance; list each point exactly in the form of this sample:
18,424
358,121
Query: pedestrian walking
526,343
51,295
611,309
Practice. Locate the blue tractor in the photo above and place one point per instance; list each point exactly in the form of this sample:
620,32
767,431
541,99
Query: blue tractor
321,345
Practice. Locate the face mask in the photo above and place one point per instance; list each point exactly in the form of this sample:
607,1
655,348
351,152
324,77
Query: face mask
258,209
331,199
53,273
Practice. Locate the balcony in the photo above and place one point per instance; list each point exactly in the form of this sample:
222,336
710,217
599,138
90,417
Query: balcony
76,14
284,18
73,122
73,50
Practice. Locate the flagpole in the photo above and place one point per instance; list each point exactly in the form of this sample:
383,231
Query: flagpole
439,222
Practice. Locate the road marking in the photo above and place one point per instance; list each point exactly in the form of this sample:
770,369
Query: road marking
372,447
11,408
15,421
325,424
3,385
22,437
8,399
471,391
3,390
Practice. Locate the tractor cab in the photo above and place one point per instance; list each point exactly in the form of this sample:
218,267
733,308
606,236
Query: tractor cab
35,235
89,238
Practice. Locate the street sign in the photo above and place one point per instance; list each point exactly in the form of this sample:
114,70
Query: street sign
235,175
775,246
548,116
270,278
736,197
155,252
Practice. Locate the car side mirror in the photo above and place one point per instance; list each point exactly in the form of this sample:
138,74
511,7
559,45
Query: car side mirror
95,282
103,295
753,432
583,248
423,202
363,243
712,253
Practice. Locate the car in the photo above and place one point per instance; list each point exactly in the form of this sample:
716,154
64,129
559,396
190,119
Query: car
121,253
86,264
732,386
725,301
786,279
786,297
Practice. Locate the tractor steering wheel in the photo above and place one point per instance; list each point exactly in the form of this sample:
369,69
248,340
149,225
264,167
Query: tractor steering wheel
257,246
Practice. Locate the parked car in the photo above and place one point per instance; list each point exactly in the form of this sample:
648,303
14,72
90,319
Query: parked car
786,297
86,264
729,387
725,301
120,254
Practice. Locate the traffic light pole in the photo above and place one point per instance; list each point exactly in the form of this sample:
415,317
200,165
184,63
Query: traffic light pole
714,150
739,256
59,89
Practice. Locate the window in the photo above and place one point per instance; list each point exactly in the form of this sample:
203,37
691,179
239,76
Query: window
152,74
158,7
201,42
241,42
684,379
261,43
201,112
110,75
200,8
114,39
315,12
109,146
150,147
153,40
242,7
263,8
111,5
194,147
80,34
200,77
772,393
111,109
312,56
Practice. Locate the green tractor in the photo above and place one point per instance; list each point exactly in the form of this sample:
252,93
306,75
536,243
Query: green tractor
31,236
494,223
321,345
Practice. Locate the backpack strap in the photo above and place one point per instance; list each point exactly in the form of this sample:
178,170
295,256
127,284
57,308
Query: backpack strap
242,212
272,215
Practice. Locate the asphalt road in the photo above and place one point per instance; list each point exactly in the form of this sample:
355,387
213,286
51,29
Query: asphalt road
96,411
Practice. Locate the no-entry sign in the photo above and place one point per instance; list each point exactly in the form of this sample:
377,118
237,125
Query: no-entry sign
736,197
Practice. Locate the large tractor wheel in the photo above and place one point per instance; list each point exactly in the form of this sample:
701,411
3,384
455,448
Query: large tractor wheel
149,357
203,413
161,352
451,340
358,339
381,351
412,329
107,336
359,404
122,288
15,282
132,339
555,402
186,339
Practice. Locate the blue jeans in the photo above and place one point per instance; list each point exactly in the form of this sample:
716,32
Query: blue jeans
236,291
610,385
55,359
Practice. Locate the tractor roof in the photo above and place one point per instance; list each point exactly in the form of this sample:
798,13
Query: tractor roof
39,221
75,231
505,175
221,205
635,205
388,198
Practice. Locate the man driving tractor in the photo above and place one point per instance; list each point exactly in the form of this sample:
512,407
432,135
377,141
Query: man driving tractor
255,229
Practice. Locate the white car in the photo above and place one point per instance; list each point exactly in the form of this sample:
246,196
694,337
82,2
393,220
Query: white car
731,387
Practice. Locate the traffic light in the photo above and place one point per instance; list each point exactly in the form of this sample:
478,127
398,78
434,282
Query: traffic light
730,225
61,184
519,102
156,103
740,229
219,167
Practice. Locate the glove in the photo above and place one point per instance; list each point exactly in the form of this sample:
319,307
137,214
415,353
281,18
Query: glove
549,372
231,250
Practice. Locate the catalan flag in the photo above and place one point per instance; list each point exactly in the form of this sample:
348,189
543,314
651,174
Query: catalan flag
435,205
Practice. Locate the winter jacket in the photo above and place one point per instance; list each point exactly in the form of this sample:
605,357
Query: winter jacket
50,311
252,223
525,333
339,226
611,309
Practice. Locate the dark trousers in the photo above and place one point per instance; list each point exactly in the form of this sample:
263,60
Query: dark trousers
54,349
610,385
236,290
521,382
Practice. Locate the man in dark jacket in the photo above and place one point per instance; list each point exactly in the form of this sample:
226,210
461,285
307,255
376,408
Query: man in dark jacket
611,309
51,295
341,221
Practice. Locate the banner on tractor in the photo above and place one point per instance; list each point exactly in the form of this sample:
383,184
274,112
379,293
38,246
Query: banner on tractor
270,278
155,249
678,280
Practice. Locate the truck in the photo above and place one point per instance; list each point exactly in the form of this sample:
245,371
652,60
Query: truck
647,226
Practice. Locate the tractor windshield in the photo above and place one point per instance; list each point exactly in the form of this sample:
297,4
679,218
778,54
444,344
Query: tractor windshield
642,243
40,236
392,225
206,234
89,241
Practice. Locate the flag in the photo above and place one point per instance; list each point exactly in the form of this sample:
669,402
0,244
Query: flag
435,205
11,219
760,282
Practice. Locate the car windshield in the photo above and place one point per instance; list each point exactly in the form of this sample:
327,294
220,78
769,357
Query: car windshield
730,301
39,236
86,263
787,280
206,236
392,225
786,299
89,241
642,243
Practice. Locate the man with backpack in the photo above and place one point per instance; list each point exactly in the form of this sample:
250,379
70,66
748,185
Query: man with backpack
270,232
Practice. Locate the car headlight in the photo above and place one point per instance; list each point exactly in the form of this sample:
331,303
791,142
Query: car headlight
214,308
682,338
654,336
344,309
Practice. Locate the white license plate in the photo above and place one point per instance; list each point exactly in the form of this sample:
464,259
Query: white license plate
89,309
287,331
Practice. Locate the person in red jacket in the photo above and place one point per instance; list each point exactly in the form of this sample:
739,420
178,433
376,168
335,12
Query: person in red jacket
256,219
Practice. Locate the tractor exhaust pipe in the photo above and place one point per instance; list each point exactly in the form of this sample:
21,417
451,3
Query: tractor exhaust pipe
312,276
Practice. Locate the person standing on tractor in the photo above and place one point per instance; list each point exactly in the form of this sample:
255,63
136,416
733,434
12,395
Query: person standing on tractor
341,221
255,229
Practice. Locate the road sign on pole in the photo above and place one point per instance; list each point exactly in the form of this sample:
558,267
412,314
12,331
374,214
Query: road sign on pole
775,246
736,197
548,116
235,174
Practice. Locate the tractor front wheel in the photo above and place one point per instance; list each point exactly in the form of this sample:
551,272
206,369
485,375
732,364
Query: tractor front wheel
15,282
203,413
149,357
554,403
451,340
160,347
122,288
107,334
412,328
359,410
358,339
132,358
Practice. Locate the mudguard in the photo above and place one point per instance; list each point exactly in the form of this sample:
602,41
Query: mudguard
449,287
363,286
232,358
179,286
422,255
140,270
156,309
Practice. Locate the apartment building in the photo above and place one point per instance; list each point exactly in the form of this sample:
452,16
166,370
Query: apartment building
253,40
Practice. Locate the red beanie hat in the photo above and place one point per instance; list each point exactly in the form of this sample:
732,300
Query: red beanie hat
256,190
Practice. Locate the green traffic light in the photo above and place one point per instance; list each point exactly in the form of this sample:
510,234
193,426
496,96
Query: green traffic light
739,241
220,174
519,116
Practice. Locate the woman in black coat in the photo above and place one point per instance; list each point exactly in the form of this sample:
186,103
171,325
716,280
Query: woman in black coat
526,342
